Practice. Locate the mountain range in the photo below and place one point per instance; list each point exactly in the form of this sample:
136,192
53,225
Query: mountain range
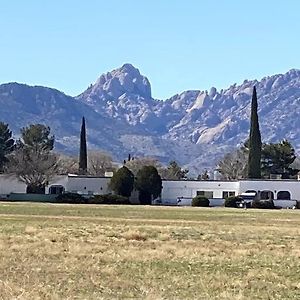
195,128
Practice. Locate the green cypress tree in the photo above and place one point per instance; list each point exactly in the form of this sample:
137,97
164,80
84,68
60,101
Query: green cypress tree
254,161
83,149
7,144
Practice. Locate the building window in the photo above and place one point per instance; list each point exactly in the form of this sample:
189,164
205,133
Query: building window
266,195
227,194
207,194
283,195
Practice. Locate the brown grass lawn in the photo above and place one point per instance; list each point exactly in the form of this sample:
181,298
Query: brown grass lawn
133,252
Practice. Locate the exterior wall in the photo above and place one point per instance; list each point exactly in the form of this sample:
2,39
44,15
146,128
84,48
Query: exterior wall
285,203
275,186
88,184
58,180
9,183
188,189
81,184
216,202
174,189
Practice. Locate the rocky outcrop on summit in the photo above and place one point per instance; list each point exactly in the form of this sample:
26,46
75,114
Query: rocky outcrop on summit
123,94
223,117
125,81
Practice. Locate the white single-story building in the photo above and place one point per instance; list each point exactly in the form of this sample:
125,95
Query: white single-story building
281,191
11,184
172,190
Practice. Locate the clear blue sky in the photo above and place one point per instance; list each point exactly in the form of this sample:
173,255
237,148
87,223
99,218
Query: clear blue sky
177,44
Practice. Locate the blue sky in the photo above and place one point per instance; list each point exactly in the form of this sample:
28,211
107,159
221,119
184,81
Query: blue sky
178,45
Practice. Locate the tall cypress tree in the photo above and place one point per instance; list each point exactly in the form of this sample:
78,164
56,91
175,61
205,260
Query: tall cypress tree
254,161
83,149
7,144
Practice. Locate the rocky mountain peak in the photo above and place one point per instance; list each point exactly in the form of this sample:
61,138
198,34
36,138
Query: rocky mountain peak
126,80
293,73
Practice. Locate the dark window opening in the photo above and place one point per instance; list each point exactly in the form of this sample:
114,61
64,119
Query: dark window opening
227,194
207,194
266,195
56,189
283,195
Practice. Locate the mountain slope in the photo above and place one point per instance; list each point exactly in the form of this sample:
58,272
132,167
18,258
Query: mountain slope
223,117
22,105
196,127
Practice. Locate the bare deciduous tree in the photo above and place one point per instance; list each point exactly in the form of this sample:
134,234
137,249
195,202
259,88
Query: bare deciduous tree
33,166
67,164
138,163
173,172
234,165
296,163
99,162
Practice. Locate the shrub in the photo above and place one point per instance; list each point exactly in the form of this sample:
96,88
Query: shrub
232,201
148,183
109,199
200,201
122,182
72,198
263,204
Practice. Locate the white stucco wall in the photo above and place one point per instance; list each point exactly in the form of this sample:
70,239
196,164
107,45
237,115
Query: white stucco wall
57,180
9,183
175,189
88,184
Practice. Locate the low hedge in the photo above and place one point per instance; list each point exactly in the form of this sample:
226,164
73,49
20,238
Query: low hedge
74,198
108,199
71,198
263,204
200,201
232,201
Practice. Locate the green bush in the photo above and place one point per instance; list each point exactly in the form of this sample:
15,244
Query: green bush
200,201
263,204
72,198
122,182
109,199
148,183
232,201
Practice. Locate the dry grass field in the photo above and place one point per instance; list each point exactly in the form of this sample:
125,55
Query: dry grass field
133,252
